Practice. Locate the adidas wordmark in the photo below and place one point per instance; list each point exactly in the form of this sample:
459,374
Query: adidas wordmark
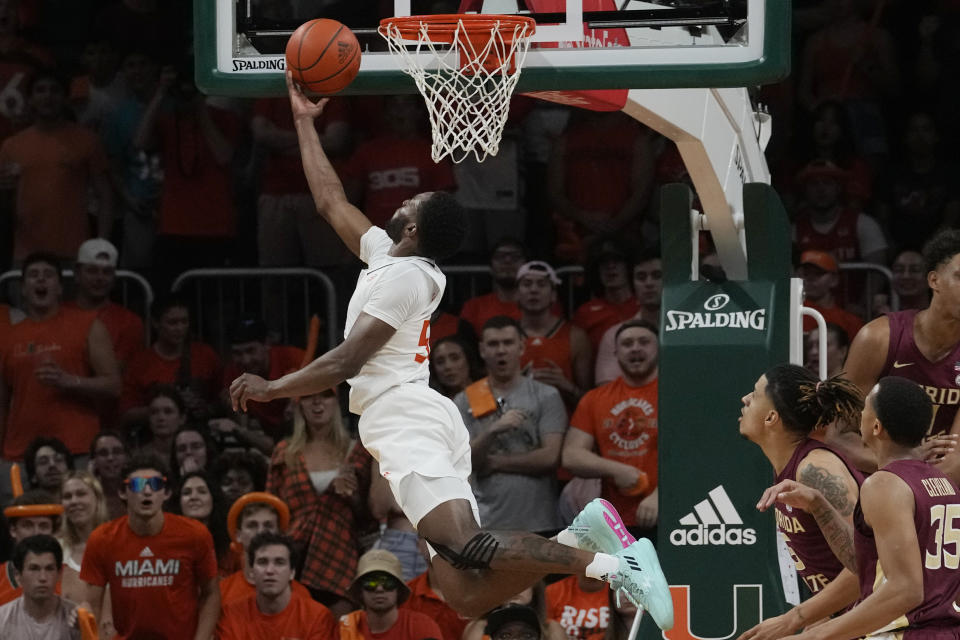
713,521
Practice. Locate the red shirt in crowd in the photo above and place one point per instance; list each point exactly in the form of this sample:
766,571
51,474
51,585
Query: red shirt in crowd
410,625
302,619
393,169
597,315
196,199
124,326
623,422
37,408
425,600
148,367
479,309
153,580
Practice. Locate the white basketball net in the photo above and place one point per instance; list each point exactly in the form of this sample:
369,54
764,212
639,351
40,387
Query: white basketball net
465,80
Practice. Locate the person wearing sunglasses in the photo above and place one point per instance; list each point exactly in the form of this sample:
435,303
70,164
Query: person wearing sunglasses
156,563
379,588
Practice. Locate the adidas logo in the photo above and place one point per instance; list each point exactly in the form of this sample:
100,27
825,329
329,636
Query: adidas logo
715,522
146,553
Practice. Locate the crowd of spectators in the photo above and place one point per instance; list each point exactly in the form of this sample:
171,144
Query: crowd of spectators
111,159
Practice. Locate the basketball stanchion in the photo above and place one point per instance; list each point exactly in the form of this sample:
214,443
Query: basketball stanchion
467,79
635,627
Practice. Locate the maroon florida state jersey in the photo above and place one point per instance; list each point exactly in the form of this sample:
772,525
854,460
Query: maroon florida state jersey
937,518
941,379
811,552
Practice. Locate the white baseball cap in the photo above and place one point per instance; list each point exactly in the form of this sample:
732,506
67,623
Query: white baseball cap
538,268
97,251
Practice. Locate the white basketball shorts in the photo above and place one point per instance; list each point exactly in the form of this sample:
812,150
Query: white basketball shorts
418,437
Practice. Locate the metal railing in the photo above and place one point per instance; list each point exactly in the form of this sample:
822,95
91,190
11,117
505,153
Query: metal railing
284,297
135,293
871,270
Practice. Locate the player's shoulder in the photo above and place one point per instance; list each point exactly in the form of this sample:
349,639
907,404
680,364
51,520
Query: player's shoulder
884,488
876,332
823,457
374,245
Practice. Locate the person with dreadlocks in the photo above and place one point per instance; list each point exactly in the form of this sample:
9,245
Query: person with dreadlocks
787,405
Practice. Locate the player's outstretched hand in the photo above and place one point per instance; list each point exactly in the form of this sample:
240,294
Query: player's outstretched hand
772,628
248,387
934,449
790,493
302,106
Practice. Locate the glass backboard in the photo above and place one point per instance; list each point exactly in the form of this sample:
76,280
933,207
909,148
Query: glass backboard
580,44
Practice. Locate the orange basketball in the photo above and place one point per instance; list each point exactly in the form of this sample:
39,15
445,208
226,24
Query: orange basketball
323,55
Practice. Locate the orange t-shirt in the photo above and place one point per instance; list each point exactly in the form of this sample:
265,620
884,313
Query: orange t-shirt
302,619
283,360
478,310
582,614
425,600
8,592
37,408
124,326
623,422
153,579
147,367
410,625
235,588
55,171
597,315
849,322
540,351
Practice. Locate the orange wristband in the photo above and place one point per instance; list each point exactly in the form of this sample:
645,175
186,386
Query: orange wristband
640,487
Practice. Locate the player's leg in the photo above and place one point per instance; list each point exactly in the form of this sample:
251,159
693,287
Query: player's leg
477,570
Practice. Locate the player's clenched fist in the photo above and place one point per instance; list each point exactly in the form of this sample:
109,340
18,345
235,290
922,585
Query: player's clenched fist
249,387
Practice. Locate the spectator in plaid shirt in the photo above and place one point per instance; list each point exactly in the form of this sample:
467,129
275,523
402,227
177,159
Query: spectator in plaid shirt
324,477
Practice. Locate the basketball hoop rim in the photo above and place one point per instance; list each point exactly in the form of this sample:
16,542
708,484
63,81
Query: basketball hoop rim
442,27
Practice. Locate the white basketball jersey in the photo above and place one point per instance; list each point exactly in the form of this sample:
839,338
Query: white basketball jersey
404,293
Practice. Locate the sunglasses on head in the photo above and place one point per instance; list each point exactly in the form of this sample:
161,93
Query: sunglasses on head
389,583
156,483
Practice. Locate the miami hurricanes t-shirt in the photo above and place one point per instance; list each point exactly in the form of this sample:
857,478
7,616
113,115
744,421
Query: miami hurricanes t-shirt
153,579
623,422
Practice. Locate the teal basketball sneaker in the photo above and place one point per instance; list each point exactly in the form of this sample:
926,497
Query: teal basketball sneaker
641,579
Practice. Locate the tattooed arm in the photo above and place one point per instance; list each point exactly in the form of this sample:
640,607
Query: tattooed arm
836,529
832,507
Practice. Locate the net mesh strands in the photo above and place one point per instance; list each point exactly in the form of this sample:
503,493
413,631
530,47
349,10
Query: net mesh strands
472,66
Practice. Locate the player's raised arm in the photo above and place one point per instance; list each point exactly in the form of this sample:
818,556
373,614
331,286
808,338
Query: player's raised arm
325,186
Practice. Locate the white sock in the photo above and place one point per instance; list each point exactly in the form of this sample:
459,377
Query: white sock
567,538
602,566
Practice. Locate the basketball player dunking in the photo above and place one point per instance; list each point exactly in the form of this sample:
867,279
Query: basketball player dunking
923,346
415,433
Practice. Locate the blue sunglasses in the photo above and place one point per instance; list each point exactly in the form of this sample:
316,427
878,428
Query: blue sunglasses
156,483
